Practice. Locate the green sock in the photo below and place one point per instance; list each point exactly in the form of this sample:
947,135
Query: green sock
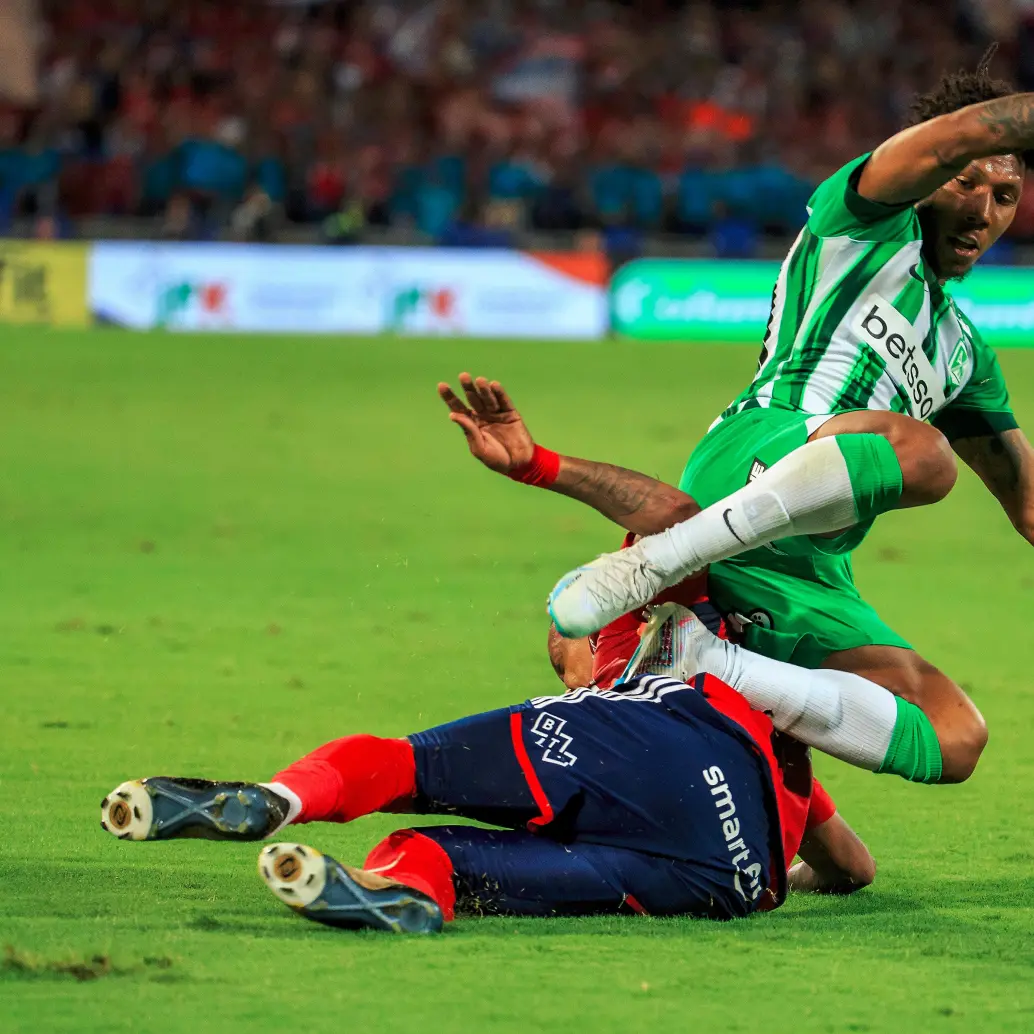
914,752
875,473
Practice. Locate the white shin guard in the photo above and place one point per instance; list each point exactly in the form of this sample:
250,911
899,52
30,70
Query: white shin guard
837,712
808,492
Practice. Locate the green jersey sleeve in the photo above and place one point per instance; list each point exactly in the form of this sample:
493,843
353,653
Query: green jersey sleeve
982,408
836,209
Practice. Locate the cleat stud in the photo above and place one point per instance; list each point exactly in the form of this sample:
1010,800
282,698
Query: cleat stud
136,813
301,851
287,868
220,798
104,803
123,795
119,814
265,872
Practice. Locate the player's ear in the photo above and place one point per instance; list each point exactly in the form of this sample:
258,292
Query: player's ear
571,659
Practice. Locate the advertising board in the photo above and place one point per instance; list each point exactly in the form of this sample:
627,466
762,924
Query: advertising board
43,282
729,301
359,290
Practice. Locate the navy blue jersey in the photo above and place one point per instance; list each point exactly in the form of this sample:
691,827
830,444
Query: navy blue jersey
666,800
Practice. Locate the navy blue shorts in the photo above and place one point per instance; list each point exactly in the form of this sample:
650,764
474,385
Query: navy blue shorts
647,799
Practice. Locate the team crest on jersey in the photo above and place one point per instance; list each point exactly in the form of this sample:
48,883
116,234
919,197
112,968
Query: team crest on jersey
761,618
957,363
548,733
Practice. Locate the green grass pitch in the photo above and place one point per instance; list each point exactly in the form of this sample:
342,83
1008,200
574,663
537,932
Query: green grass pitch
217,552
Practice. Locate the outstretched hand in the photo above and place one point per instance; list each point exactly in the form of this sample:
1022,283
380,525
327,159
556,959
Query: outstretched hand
496,433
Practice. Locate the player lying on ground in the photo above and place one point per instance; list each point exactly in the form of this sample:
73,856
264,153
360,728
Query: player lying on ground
863,347
662,798
843,714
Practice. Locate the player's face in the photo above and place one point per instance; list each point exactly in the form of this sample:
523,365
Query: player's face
962,219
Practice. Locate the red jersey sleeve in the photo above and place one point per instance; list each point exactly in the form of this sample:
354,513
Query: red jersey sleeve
821,808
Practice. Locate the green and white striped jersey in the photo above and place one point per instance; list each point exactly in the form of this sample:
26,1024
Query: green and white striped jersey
858,321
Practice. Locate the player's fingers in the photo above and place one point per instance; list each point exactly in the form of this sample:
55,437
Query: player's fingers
470,430
450,398
503,401
470,390
487,396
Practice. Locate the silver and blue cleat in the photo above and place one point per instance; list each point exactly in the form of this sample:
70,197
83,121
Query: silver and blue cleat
166,808
319,888
597,593
669,645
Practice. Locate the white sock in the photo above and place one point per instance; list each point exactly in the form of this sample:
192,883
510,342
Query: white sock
837,712
294,804
808,492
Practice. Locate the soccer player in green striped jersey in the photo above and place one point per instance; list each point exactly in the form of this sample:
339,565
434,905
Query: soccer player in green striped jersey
870,382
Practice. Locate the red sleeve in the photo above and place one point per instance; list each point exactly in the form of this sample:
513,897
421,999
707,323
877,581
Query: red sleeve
821,808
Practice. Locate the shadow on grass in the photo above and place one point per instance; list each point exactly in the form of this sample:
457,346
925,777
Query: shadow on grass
222,903
270,925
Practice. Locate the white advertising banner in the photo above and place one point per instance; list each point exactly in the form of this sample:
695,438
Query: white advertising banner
490,293
230,287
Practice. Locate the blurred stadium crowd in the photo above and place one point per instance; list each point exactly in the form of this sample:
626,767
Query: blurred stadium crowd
472,120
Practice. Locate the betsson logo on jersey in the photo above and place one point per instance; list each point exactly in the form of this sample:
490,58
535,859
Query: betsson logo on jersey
889,334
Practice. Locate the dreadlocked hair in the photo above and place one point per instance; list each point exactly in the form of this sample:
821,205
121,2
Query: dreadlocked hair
959,90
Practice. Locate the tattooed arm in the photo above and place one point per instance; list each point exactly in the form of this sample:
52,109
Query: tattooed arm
1005,463
637,502
918,160
497,436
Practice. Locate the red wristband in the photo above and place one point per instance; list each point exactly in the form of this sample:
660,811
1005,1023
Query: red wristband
541,469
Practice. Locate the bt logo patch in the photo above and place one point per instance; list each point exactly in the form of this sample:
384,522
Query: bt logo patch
548,734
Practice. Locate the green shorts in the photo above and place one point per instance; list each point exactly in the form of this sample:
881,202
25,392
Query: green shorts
799,592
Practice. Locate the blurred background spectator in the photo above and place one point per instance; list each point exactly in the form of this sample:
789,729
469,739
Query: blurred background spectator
474,122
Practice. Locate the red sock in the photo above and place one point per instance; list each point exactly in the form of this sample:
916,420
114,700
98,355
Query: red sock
350,777
418,862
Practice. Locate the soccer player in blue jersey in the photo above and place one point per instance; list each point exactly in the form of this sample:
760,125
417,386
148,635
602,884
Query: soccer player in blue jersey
656,797
656,790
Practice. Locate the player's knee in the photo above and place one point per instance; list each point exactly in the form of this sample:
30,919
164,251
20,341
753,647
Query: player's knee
961,748
928,465
959,727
